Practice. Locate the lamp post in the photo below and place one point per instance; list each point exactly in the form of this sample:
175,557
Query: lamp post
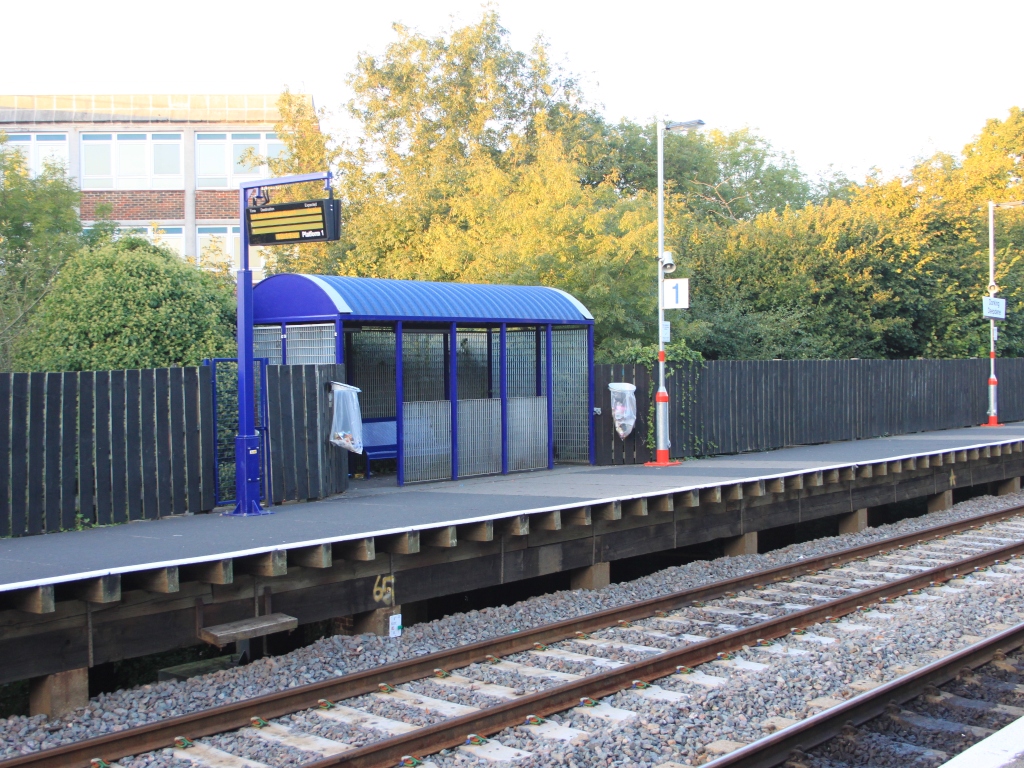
993,383
666,264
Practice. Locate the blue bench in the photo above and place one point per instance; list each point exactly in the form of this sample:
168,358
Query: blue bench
380,440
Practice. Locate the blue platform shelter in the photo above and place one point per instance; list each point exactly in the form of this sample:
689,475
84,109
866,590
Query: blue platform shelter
457,379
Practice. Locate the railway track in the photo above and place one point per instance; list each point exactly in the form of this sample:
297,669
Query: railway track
544,685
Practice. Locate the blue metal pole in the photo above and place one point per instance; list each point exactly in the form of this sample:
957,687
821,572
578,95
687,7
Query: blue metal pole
339,341
590,389
453,395
503,378
399,404
247,441
490,365
537,355
551,397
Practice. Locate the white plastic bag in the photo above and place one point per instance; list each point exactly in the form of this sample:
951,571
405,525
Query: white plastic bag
623,408
347,421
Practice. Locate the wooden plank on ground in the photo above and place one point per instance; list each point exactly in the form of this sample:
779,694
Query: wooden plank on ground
104,489
246,629
69,451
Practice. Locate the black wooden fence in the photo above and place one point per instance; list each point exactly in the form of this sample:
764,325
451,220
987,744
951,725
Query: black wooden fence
733,406
88,448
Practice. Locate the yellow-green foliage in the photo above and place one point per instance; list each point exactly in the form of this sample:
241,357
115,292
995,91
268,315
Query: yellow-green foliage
128,304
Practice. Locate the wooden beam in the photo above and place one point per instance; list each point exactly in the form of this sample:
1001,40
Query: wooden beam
688,499
444,537
576,516
105,589
399,543
881,469
935,460
847,474
515,526
634,507
213,572
609,510
477,531
817,479
358,550
316,556
961,456
162,581
547,521
895,467
1018,447
775,485
865,471
33,600
733,492
267,564
753,489
996,450
909,465
246,629
664,503
711,495
986,452
795,483
923,462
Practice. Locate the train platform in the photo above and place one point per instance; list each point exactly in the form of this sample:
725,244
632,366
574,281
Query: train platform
371,510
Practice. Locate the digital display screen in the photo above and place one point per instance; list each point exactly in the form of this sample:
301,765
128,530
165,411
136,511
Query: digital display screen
309,221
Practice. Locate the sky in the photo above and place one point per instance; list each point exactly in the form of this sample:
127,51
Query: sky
848,85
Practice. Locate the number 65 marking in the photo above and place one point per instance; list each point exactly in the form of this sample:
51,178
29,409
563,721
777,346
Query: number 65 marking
383,589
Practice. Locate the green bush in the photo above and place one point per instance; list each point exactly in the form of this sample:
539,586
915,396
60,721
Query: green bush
129,304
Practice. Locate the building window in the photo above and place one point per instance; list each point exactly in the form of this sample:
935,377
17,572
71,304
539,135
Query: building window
40,149
132,161
220,157
169,237
221,245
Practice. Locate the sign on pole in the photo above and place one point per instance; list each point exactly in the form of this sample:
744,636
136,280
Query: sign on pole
309,221
677,294
993,308
666,332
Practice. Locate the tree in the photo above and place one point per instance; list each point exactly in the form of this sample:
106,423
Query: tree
129,304
39,230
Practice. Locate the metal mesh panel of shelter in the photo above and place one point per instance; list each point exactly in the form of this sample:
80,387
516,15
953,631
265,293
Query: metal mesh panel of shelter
571,423
423,366
524,369
310,344
266,342
471,365
527,433
427,440
479,436
372,369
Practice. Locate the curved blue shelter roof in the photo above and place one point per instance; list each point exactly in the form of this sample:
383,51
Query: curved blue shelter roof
307,297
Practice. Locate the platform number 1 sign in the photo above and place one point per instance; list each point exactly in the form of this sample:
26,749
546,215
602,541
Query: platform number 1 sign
677,294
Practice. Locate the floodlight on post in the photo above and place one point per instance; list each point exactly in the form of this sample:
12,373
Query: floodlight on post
993,382
666,264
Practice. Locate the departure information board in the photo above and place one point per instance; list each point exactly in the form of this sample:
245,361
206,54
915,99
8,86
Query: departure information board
309,221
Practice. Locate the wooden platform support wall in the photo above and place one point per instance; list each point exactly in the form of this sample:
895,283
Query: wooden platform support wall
741,545
57,694
1007,487
940,501
854,522
596,576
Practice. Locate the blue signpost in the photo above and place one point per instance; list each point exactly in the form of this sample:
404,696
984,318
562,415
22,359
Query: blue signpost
247,442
